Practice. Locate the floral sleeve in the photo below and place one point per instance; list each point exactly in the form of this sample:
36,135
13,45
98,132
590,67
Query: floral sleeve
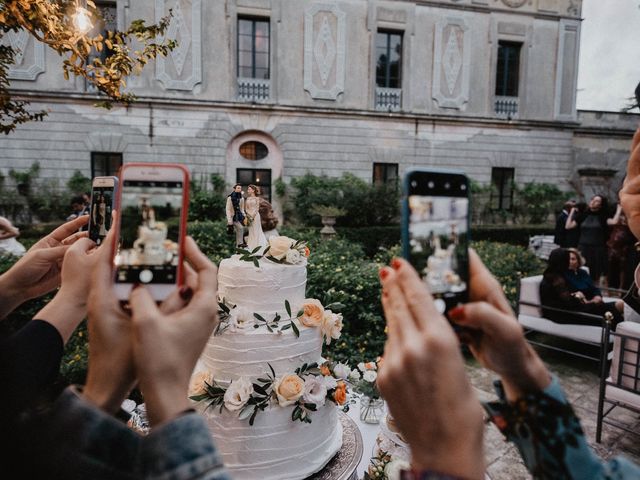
550,439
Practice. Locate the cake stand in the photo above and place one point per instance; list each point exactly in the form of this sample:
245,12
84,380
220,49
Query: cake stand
345,463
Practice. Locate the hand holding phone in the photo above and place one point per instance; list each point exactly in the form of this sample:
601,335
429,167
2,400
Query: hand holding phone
153,205
435,233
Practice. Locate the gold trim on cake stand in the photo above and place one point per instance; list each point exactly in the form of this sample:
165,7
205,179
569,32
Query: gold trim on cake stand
344,465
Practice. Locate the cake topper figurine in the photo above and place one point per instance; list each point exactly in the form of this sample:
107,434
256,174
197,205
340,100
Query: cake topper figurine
235,217
256,237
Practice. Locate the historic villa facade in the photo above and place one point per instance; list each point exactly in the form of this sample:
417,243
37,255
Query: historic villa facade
262,89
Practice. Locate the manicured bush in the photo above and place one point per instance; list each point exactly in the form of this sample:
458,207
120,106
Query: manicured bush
372,239
366,204
513,234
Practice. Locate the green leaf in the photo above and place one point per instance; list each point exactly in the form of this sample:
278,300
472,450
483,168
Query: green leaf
295,329
245,413
285,327
259,317
260,389
277,318
287,305
272,370
256,263
199,398
255,250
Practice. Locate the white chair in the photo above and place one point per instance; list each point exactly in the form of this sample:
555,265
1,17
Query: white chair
620,385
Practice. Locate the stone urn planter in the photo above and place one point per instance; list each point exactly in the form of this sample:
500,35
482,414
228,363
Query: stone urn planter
328,221
328,215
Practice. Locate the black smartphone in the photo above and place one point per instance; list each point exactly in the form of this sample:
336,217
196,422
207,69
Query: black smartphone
103,195
435,232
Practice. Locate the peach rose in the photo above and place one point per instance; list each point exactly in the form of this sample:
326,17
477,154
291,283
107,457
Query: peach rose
312,313
324,370
197,385
307,252
340,395
279,246
288,389
331,326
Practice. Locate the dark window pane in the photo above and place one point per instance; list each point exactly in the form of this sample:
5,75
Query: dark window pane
245,27
508,69
253,48
254,150
262,60
389,60
502,192
385,173
261,44
259,177
262,73
245,42
245,72
105,164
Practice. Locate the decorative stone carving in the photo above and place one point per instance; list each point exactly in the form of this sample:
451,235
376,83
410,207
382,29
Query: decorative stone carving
182,69
324,50
450,87
514,3
29,57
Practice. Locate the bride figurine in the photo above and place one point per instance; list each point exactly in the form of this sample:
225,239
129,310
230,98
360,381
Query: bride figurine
252,210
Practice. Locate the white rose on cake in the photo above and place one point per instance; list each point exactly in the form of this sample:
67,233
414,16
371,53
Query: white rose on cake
239,318
370,376
393,468
315,390
238,394
331,326
197,385
293,257
342,371
354,376
279,246
288,389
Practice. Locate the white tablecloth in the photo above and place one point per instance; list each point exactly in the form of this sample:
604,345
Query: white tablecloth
369,433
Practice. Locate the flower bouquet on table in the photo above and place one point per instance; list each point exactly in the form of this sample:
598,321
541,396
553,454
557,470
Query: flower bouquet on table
364,380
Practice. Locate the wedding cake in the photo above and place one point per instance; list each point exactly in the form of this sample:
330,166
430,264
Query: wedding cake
267,394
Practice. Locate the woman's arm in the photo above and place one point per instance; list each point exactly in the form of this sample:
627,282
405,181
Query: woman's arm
571,222
615,220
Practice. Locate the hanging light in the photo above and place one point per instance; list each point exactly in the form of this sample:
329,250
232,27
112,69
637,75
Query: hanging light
82,17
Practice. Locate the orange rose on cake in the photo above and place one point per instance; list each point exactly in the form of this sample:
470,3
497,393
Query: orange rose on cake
288,389
199,382
312,313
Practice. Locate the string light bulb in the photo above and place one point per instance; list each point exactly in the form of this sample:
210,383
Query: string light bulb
82,18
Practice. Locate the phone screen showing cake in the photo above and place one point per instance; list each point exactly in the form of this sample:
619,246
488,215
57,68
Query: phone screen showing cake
149,232
438,245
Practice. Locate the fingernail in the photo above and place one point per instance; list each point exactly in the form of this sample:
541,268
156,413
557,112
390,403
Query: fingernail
384,273
457,313
185,293
135,285
395,263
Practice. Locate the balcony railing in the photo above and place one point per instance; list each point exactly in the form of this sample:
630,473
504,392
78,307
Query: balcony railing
506,107
388,99
253,89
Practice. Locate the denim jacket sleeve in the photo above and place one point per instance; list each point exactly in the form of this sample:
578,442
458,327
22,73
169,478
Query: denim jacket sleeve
550,439
182,450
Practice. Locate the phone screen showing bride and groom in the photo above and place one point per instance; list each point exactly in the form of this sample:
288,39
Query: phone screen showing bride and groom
101,206
438,242
149,232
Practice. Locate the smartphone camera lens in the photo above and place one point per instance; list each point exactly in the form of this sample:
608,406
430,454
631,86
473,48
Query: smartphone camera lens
463,187
447,186
430,185
414,184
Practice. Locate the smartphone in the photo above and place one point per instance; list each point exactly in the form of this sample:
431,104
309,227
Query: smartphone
103,197
153,204
435,232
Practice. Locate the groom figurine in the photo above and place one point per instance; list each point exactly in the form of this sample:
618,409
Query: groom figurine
235,215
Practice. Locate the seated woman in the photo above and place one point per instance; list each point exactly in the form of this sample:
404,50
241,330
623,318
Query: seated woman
581,284
557,292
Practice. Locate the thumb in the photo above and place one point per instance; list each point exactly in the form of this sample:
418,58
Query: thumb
485,317
143,306
82,245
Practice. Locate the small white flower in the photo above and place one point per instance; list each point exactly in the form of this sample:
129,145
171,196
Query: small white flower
354,376
315,390
342,371
331,326
238,394
370,376
329,382
239,319
361,367
393,468
293,256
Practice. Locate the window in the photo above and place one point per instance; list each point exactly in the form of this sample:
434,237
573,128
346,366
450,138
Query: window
385,173
258,177
253,150
104,164
253,48
388,59
502,191
508,71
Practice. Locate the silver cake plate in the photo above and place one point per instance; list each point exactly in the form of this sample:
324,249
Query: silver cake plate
344,465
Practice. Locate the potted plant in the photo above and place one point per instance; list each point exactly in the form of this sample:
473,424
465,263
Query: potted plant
328,215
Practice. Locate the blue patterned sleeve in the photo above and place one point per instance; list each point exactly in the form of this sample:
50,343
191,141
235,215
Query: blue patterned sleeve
550,439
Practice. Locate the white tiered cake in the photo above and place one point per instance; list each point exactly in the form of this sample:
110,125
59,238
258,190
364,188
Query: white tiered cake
271,410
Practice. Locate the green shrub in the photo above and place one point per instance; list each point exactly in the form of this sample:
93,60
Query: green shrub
372,239
366,204
78,183
508,263
534,202
513,234
212,238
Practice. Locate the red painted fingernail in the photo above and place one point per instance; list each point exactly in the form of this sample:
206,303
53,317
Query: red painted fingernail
457,313
135,285
396,263
384,273
185,293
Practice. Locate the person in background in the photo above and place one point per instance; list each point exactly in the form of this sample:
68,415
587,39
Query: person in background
268,218
78,207
234,209
620,252
593,226
564,237
8,239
